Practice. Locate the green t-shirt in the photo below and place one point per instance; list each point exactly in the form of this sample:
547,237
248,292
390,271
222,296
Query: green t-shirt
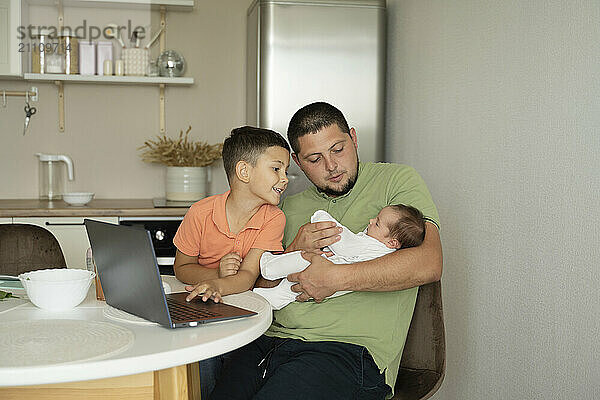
377,320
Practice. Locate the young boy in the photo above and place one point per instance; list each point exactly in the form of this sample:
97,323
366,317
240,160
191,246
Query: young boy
395,227
229,232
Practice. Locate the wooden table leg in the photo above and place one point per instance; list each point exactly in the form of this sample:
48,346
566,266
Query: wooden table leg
131,387
171,383
193,376
177,383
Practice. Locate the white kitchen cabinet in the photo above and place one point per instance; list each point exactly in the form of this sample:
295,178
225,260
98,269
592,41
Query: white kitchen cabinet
70,233
10,19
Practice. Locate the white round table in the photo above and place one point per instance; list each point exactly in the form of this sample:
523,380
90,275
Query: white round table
150,347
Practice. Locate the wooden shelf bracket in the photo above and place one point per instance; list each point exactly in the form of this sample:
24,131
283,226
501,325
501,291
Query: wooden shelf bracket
162,44
61,106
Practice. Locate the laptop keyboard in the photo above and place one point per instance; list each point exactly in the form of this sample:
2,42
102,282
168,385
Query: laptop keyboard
184,312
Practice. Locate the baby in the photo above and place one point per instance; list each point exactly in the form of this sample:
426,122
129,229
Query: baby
395,227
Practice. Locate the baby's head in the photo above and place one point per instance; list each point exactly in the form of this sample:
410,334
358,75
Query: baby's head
398,226
256,160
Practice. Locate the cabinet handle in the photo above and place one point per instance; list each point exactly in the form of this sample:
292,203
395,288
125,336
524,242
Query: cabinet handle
64,223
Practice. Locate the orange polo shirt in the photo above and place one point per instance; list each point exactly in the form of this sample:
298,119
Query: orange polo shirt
204,231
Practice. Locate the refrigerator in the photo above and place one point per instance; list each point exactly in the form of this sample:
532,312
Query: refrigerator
302,51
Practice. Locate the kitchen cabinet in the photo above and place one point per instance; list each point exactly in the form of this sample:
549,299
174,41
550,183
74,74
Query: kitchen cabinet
70,233
10,57
66,222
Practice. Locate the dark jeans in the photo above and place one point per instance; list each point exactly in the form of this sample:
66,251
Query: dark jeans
209,372
274,368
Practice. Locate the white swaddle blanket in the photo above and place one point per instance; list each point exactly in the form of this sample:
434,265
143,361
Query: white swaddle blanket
351,248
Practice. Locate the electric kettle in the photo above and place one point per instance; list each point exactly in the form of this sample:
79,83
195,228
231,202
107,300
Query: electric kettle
51,175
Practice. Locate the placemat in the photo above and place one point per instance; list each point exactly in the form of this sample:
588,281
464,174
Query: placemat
58,341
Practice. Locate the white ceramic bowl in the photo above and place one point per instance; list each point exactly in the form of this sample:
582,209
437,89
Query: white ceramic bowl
78,198
57,289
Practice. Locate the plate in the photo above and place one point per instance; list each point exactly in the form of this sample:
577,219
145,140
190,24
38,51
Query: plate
8,285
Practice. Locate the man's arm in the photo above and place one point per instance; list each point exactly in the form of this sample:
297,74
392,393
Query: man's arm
187,269
402,269
240,282
311,237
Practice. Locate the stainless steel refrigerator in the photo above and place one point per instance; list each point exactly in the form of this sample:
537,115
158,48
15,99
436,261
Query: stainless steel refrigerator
302,51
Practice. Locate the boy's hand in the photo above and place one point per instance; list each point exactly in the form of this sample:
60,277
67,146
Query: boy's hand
229,265
208,290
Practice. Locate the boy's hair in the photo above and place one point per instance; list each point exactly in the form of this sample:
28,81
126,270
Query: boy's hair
409,228
247,143
311,119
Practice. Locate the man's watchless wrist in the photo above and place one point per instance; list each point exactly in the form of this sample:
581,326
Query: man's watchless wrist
339,276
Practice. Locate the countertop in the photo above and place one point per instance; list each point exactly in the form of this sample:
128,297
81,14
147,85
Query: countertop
95,208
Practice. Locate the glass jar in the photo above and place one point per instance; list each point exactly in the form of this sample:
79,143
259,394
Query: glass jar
153,68
68,48
55,64
43,44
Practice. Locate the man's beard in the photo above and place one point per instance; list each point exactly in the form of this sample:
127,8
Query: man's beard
345,189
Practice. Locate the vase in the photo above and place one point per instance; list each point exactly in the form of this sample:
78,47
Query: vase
186,183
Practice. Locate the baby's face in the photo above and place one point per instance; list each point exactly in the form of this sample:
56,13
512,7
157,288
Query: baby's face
378,226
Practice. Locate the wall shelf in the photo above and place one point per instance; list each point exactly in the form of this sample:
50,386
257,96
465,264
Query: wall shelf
60,79
139,80
174,5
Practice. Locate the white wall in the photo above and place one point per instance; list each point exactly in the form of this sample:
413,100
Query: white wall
497,104
105,124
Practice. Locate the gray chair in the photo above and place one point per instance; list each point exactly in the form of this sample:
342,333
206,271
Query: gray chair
423,363
26,248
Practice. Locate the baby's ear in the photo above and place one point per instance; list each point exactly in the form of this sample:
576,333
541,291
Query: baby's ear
394,244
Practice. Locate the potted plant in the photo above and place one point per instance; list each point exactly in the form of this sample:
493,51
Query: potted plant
187,163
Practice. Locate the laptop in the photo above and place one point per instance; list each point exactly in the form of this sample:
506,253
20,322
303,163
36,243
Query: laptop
128,271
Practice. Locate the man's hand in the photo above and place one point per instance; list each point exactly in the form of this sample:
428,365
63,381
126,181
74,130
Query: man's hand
313,237
207,289
316,280
229,265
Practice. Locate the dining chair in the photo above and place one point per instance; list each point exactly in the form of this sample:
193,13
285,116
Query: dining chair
423,363
26,248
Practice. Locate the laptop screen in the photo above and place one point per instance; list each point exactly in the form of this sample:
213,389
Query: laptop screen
127,269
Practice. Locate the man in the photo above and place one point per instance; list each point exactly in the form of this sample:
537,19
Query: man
349,346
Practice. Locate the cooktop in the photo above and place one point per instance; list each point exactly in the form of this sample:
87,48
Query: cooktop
161,202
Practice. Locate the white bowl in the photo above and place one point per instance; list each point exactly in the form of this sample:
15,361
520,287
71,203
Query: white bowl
78,198
57,289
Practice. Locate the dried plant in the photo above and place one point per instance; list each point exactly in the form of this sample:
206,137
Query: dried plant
181,152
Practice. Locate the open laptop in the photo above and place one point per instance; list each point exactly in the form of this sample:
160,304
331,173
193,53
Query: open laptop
129,275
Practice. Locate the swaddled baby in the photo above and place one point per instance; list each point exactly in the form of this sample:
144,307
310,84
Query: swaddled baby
395,227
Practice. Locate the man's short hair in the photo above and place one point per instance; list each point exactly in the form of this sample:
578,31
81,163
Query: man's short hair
247,143
311,119
409,228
